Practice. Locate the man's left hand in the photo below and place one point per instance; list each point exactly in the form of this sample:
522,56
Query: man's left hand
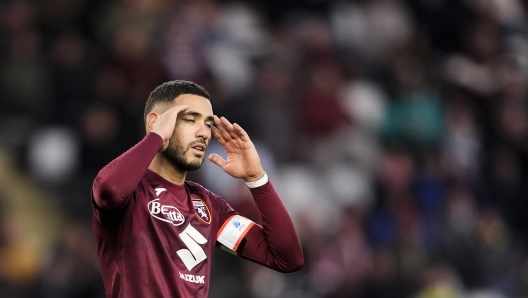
242,158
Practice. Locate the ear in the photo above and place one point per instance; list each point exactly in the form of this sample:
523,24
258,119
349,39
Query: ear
150,120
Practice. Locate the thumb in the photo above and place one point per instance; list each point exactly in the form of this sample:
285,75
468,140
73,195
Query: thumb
218,160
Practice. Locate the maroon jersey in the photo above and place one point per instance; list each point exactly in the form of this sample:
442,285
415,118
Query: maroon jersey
158,238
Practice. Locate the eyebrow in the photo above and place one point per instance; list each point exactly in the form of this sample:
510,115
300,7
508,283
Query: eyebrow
196,114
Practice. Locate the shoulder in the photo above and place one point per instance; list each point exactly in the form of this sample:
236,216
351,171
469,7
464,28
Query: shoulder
146,185
198,188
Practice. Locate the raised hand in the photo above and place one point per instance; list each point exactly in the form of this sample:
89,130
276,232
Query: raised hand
164,124
242,157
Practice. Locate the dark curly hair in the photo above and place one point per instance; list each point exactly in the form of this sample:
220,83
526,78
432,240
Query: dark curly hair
168,91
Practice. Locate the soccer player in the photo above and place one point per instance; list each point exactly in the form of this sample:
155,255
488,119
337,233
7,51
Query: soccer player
155,231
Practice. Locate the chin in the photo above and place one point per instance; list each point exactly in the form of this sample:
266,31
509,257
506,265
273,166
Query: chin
196,158
197,161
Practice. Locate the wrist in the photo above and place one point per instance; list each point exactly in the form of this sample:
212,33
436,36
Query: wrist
164,143
258,182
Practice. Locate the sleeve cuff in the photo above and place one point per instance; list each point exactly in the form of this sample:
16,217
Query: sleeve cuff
259,182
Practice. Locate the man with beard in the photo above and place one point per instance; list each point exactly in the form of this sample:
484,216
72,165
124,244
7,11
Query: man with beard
155,231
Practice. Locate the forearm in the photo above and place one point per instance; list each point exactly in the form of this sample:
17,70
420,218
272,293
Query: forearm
275,244
121,176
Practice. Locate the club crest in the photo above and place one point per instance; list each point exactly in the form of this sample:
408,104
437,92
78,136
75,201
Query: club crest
201,210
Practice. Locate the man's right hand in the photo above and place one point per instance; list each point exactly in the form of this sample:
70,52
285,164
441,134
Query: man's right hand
164,124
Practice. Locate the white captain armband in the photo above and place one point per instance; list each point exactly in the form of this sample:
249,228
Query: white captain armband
232,232
263,180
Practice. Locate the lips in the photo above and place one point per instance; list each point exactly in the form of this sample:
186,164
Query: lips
199,147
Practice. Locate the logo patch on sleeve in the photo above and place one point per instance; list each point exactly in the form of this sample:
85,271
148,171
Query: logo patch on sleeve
232,232
202,211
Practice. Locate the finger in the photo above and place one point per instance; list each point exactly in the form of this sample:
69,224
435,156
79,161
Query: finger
177,109
229,128
241,132
222,129
174,111
216,133
163,124
218,160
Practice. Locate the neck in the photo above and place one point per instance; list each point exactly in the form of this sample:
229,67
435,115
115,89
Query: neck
166,170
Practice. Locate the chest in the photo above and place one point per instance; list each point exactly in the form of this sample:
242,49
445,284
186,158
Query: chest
182,227
181,220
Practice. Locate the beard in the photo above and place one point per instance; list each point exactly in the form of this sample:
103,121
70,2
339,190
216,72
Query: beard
175,154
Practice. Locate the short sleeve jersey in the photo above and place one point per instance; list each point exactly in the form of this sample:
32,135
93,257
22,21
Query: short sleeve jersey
160,242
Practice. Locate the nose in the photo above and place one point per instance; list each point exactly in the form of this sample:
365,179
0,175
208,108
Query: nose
203,132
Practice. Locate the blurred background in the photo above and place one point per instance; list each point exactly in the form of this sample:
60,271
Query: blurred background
396,132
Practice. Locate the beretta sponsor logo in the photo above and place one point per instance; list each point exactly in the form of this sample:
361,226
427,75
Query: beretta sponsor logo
165,213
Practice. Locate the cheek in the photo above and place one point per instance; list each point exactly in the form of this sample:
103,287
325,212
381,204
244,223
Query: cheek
178,137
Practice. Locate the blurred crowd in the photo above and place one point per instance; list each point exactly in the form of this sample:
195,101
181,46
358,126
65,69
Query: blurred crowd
396,132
